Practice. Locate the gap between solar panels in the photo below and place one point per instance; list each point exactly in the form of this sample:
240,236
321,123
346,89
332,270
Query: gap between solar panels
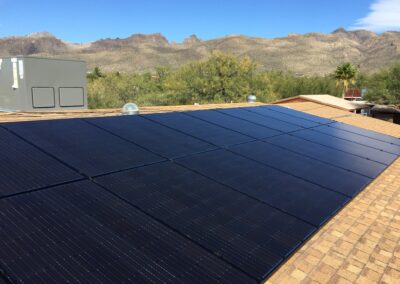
242,188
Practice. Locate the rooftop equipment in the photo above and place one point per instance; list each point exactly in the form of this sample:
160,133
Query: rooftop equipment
42,84
130,109
251,99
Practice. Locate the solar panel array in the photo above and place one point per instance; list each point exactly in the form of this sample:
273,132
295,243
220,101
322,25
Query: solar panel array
205,196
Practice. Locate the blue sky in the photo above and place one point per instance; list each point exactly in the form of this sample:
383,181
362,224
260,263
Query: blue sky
83,21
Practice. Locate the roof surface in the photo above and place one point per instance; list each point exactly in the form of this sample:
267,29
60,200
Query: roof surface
328,100
30,116
361,244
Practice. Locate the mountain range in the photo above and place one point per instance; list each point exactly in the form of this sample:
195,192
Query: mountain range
301,54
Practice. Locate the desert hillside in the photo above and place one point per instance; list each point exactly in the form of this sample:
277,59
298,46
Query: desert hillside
311,53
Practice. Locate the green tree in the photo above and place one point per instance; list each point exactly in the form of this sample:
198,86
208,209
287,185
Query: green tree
221,78
384,86
345,75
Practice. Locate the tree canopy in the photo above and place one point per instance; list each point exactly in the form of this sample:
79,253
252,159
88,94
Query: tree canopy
227,78
345,75
384,86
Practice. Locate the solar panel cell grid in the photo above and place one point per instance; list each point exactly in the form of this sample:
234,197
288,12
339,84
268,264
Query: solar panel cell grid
346,146
236,124
256,118
268,185
212,215
198,128
153,136
329,155
85,147
283,117
366,133
325,175
24,168
359,139
298,114
72,225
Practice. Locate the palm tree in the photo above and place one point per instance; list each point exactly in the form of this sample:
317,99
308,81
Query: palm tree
345,75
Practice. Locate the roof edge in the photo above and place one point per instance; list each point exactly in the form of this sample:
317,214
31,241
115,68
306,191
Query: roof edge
308,98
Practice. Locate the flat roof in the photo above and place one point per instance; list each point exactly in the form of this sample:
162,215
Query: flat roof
29,116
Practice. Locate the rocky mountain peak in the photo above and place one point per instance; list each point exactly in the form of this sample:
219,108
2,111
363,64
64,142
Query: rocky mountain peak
40,35
191,40
303,54
154,39
339,30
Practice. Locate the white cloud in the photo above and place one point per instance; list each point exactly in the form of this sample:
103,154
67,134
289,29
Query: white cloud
384,15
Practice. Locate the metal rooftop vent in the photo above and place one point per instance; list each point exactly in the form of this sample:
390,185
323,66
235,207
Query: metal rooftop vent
130,109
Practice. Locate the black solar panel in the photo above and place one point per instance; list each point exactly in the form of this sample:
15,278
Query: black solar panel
366,133
87,148
153,136
204,196
255,239
263,120
346,146
282,117
278,189
201,129
298,114
329,155
359,139
80,233
235,124
24,168
325,175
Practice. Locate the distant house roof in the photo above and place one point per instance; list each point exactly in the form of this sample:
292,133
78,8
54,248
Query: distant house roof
353,94
327,100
